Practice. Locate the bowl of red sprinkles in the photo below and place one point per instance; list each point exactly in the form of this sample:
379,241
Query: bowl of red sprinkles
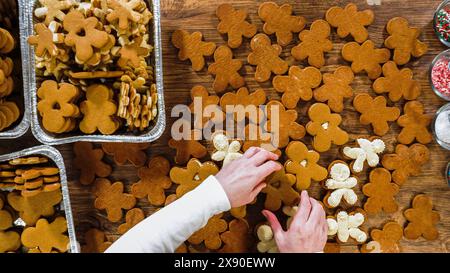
440,75
442,22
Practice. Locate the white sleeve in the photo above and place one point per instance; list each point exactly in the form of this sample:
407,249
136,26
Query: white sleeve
166,229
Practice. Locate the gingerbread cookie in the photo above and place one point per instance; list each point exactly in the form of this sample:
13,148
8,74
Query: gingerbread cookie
132,54
27,161
9,113
279,20
89,162
233,23
47,236
187,148
127,152
193,175
336,87
237,238
200,96
226,70
346,226
192,47
414,124
110,197
56,106
239,212
7,44
122,13
340,185
375,111
45,41
88,75
279,190
99,110
6,220
303,163
95,241
285,126
32,208
367,150
266,239
52,10
350,21
398,83
366,57
132,218
332,248
226,151
314,43
266,58
241,102
210,234
154,180
9,241
422,219
380,192
324,126
83,35
297,85
406,161
404,40
257,136
385,240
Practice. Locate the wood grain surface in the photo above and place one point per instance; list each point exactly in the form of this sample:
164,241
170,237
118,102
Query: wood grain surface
179,79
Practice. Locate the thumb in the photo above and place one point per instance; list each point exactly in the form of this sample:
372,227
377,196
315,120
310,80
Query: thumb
278,231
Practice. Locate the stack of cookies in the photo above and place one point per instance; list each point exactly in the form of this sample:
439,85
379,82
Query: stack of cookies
85,44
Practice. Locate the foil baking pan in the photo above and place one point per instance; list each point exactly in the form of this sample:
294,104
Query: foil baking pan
45,137
20,93
54,155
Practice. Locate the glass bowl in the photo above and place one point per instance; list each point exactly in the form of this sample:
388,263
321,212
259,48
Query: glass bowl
442,7
443,55
443,112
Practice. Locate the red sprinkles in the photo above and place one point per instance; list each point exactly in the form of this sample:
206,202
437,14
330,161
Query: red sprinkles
441,77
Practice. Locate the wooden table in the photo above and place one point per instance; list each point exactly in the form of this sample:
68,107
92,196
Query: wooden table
200,16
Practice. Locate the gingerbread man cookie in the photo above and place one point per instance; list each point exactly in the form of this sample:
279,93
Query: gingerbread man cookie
237,238
350,21
422,219
286,126
154,180
187,148
9,241
266,239
297,85
45,41
242,101
406,161
193,175
336,87
346,226
110,197
404,40
226,70
303,163
324,126
414,124
279,20
132,218
210,234
279,190
200,95
366,57
398,83
6,220
53,9
132,54
95,241
266,58
340,185
380,192
89,161
123,12
226,151
387,239
135,153
314,43
233,23
192,47
375,111
366,151
259,138
47,236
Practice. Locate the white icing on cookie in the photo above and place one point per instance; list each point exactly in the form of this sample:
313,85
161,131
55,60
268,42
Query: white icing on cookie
347,226
367,151
267,241
226,152
341,183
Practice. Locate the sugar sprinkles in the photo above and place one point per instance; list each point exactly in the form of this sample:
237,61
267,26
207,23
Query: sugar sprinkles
442,127
442,23
440,77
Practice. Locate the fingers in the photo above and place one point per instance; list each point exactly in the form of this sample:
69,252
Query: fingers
268,168
251,152
258,189
317,215
278,231
262,156
303,212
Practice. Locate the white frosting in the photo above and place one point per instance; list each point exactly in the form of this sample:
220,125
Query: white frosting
347,226
290,212
367,151
304,162
373,247
325,125
341,183
267,241
226,152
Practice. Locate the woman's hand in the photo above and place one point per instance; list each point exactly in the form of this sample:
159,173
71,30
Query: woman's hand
308,230
243,178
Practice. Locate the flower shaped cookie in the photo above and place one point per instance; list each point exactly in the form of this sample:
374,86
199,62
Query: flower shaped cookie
47,236
324,126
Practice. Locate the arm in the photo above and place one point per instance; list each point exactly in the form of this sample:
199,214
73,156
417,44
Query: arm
237,184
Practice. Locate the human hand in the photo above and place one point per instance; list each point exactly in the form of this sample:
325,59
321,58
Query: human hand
308,230
242,179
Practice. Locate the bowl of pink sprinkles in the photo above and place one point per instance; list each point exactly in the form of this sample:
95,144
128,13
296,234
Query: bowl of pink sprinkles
440,75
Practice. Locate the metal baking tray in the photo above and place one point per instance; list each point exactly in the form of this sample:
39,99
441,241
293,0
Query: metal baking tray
20,75
54,155
45,137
